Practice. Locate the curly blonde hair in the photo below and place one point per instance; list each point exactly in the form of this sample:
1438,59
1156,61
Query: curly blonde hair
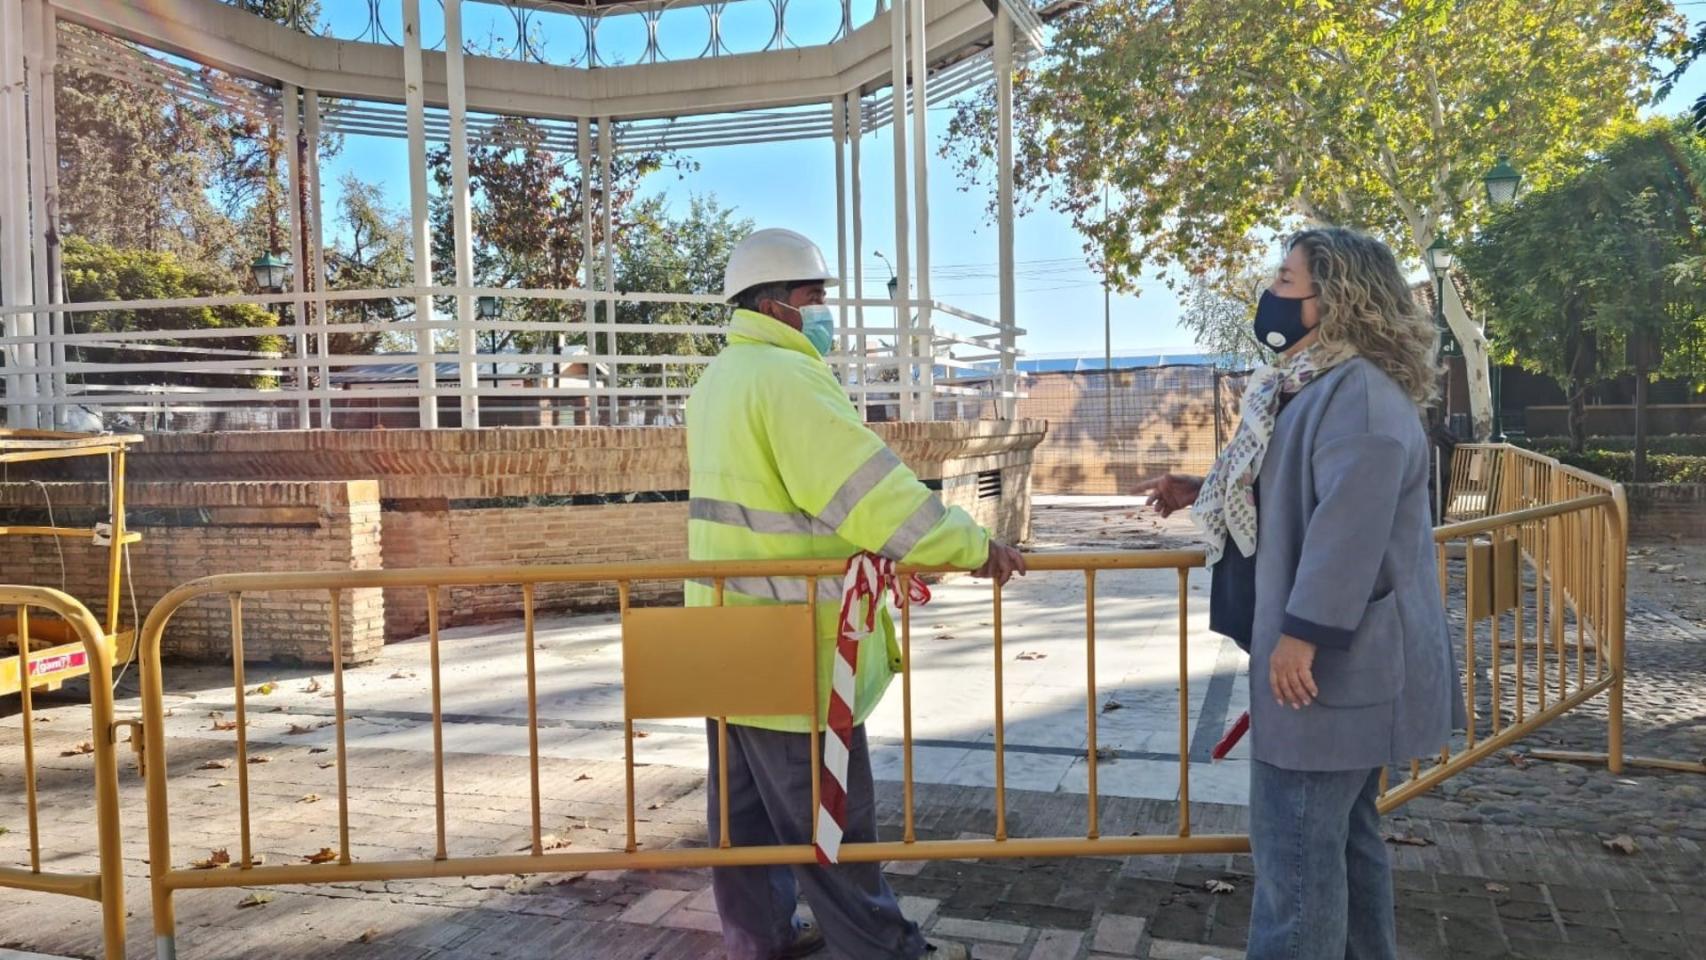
1366,307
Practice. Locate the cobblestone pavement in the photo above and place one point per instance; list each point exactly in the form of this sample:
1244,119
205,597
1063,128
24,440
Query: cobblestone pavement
1506,860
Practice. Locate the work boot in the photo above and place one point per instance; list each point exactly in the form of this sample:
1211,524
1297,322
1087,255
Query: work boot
808,939
946,950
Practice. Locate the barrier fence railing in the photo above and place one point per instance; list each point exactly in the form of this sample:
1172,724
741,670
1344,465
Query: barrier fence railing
1520,583
107,886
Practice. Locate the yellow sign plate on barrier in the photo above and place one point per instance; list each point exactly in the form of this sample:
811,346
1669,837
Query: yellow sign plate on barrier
716,661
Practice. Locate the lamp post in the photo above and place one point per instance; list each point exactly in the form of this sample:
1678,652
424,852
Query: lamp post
1501,182
1440,259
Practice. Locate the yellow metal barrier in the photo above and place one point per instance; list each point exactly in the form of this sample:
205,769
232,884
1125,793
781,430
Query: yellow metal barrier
106,887
1568,528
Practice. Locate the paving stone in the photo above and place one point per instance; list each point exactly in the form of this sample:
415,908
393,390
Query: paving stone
1057,945
651,907
980,930
918,909
1179,950
1118,933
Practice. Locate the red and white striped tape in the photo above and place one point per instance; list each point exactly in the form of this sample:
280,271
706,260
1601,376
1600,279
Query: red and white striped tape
867,578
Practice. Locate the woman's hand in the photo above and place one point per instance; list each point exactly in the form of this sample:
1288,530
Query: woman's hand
1170,493
1291,672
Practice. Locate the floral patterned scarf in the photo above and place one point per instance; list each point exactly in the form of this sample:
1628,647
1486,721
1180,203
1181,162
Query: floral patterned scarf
1226,505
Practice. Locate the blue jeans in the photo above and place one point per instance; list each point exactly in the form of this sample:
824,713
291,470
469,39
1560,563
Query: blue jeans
1323,881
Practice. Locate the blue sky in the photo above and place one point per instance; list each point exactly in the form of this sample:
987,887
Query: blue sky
1060,298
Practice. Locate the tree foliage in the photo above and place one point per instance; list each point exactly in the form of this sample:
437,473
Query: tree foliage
98,272
526,203
1599,275
686,254
1218,310
374,255
1218,122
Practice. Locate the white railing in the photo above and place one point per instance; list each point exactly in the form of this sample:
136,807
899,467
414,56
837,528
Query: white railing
914,360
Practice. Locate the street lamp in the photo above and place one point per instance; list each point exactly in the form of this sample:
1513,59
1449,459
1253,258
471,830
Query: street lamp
489,308
894,281
269,269
1501,182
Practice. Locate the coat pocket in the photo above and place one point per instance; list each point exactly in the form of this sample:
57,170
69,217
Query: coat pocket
1370,672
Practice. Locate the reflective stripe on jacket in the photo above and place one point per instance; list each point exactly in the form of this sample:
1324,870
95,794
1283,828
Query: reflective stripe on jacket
784,469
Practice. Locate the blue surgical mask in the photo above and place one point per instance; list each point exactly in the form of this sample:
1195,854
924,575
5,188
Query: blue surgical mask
817,322
1279,321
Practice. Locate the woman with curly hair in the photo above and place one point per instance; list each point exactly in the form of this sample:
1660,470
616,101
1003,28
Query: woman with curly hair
1321,545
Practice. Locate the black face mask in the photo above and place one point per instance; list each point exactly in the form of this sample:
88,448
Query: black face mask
1279,321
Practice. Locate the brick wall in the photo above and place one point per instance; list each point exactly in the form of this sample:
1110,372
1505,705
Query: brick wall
546,496
1666,509
1107,432
191,530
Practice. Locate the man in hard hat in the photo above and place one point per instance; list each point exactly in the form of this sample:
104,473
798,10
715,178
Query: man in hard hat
783,468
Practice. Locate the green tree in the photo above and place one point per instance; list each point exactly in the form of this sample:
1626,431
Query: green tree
526,205
1218,309
662,254
1217,123
1599,275
374,255
99,272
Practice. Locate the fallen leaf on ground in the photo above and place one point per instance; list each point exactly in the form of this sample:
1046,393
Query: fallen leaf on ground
318,749
326,855
44,719
82,747
1112,705
297,729
1031,655
584,776
254,900
265,689
309,798
641,734
944,636
1517,760
312,686
553,842
1408,840
216,783
215,714
1497,888
1622,843
327,764
654,806
224,724
260,758
368,936
401,675
214,764
1106,754
214,860
1219,886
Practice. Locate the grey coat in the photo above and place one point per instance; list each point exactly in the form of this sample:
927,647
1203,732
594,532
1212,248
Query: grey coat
1345,559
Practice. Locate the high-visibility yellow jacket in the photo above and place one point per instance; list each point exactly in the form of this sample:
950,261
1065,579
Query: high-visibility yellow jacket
783,468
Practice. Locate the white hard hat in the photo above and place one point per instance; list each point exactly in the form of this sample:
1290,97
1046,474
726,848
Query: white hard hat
774,256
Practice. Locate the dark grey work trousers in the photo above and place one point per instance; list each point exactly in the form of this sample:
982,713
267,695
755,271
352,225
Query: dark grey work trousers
770,803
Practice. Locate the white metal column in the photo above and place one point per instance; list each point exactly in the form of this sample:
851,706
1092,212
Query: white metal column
924,340
1008,382
902,265
420,226
47,383
856,127
288,106
317,251
606,147
838,115
583,157
456,83
48,147
15,283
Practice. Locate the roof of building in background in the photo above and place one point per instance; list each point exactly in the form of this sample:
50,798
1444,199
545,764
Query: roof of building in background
1123,360
1423,291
